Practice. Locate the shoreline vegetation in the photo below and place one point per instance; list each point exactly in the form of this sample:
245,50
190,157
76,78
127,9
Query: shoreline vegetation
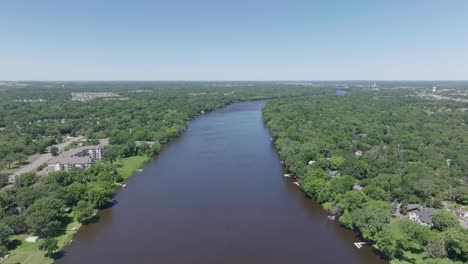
370,157
40,205
28,252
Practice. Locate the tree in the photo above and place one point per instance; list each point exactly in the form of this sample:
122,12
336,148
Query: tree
5,233
461,195
353,200
20,157
99,194
111,153
3,250
336,162
371,217
402,236
54,151
444,220
83,211
16,223
346,219
73,193
313,186
9,159
3,179
361,169
342,184
49,245
376,193
44,215
456,243
390,241
435,249
26,179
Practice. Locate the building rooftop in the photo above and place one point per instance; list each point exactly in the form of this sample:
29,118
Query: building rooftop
358,187
70,159
412,207
424,216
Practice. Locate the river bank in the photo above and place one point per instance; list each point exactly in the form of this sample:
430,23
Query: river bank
194,206
27,252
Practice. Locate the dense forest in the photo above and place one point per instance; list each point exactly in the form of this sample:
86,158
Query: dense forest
400,149
39,115
147,112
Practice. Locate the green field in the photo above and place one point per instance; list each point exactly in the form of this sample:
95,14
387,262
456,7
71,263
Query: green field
29,253
127,166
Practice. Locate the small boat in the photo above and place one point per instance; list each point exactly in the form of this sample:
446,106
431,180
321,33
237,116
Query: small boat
140,170
287,175
124,185
296,183
331,217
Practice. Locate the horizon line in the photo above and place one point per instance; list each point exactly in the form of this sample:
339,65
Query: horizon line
227,80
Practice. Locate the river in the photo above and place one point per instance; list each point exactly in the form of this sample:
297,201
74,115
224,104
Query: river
216,195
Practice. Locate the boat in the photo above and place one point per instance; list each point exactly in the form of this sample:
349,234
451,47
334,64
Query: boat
331,217
287,175
125,185
140,170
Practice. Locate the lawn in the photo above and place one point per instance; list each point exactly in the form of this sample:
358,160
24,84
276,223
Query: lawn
29,253
127,166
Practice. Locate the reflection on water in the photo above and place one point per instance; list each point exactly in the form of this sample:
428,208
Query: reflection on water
216,195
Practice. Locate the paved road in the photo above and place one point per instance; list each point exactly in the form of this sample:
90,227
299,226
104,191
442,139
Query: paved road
42,159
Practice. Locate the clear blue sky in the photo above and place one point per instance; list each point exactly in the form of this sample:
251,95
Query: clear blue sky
233,40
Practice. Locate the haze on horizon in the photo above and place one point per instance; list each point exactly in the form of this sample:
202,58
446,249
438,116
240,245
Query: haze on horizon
234,40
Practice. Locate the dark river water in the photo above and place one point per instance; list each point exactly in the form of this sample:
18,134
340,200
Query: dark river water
216,195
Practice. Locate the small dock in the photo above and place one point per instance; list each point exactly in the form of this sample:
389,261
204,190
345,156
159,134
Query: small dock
360,244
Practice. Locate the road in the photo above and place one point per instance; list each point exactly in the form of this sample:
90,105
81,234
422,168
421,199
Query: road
42,158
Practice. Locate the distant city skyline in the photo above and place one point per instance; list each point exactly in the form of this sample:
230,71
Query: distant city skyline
210,40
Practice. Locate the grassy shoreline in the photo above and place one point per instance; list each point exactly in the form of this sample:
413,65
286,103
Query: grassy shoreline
29,253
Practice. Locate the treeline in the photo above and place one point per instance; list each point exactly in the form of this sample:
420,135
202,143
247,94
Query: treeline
154,111
154,114
41,205
400,149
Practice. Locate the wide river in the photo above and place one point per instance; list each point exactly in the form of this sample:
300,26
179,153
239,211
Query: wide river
216,195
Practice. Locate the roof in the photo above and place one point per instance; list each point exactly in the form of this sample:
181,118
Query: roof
65,159
411,207
71,156
333,173
424,216
80,149
461,211
358,187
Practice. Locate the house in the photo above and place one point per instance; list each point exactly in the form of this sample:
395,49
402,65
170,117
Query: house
461,213
421,217
311,162
413,207
333,173
358,153
358,188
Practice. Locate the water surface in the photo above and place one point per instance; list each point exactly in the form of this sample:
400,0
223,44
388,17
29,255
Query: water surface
216,195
